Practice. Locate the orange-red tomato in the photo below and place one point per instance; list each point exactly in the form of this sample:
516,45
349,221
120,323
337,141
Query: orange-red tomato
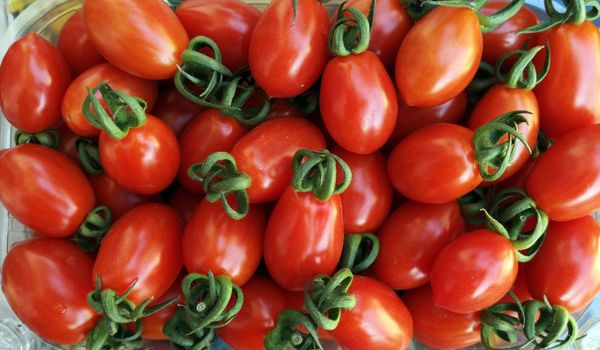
76,46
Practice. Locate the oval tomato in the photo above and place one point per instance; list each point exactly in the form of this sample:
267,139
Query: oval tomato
46,282
44,189
411,239
185,202
175,110
33,79
144,245
76,46
147,39
152,326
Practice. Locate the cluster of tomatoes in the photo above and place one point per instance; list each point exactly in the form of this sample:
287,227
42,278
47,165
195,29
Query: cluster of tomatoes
401,169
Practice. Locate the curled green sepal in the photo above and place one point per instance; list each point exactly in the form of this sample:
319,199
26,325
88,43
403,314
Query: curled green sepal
360,251
492,152
523,74
108,335
471,205
481,83
124,112
350,35
487,23
576,12
179,331
49,138
220,177
92,230
89,156
286,336
326,297
316,172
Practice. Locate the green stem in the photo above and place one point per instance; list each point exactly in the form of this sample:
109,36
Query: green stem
523,74
316,172
576,12
472,204
285,335
92,230
326,297
360,251
489,23
49,138
350,35
89,156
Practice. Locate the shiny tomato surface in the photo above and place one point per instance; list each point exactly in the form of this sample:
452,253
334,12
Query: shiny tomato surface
76,46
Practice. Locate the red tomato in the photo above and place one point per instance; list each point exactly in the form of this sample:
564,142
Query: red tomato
439,328
282,109
68,142
435,164
473,272
411,239
153,324
44,189
143,38
266,153
76,46
288,55
118,80
565,270
33,79
519,179
519,288
304,238
46,282
439,56
576,55
209,132
146,161
215,242
175,110
229,23
185,202
379,320
564,181
263,302
368,199
144,246
358,103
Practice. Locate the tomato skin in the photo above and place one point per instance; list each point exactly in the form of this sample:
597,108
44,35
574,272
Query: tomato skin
519,287
379,320
209,132
266,153
228,22
576,55
282,109
153,324
438,328
175,110
565,269
185,202
501,99
353,87
432,69
127,162
44,189
212,241
146,41
461,286
411,239
435,164
263,302
144,244
33,79
574,162
76,46
287,56
77,92
68,142
304,238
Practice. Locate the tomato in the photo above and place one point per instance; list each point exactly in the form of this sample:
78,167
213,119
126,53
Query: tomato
287,55
505,38
358,102
44,189
414,118
282,109
501,99
519,288
215,242
144,245
185,202
209,132
118,201
229,23
565,270
411,239
145,161
68,142
435,164
439,56
519,179
379,320
473,272
304,238
147,39
33,79
152,326
118,80
439,328
572,190
263,302
46,282
76,46
266,153
368,199
575,69
175,110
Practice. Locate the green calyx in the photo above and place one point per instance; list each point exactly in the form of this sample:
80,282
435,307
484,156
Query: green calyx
495,144
316,172
351,35
360,251
286,336
523,74
472,205
220,177
93,229
487,23
576,12
89,156
49,138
